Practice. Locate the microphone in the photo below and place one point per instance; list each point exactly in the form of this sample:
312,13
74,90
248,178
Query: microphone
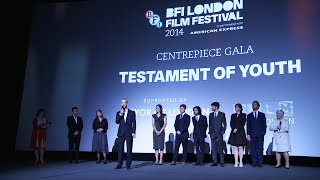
280,125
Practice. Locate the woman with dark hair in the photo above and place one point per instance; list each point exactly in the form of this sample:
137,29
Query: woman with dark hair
38,137
159,123
100,142
237,136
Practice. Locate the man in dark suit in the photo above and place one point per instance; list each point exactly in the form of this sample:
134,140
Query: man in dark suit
181,126
126,132
75,126
217,127
200,125
256,129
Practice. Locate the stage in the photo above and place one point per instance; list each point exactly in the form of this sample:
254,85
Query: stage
147,170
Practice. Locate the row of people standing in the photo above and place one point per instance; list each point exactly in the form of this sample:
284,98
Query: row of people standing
75,126
256,129
238,138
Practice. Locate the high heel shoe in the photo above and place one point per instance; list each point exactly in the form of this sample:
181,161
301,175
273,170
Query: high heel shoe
236,165
277,166
241,165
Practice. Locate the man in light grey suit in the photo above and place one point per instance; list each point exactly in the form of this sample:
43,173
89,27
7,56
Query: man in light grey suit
217,127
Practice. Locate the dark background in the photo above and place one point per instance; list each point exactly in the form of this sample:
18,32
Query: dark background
17,29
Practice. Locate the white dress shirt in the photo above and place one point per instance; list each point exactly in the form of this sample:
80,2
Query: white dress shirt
75,119
125,115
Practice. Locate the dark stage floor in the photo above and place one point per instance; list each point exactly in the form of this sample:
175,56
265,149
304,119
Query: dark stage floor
145,170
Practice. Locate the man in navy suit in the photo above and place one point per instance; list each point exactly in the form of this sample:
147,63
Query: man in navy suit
217,127
126,132
256,129
75,126
181,126
200,125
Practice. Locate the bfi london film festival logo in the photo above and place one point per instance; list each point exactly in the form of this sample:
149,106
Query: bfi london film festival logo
154,19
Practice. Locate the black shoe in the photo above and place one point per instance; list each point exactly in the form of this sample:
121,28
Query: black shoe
201,164
77,162
277,166
196,164
222,165
259,165
214,164
118,167
128,167
98,162
105,162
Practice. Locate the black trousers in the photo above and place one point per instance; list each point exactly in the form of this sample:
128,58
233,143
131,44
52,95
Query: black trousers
257,150
129,141
216,147
184,141
199,145
74,144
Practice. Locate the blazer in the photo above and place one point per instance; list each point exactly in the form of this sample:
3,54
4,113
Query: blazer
220,122
74,126
97,124
200,127
182,125
126,126
242,122
256,127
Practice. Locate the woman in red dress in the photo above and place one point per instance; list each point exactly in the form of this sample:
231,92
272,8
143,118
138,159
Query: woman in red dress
38,138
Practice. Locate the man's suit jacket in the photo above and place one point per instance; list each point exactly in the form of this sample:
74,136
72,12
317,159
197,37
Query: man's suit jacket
74,126
126,126
256,127
200,126
220,121
182,125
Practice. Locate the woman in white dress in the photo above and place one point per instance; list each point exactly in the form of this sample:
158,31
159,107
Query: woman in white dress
281,139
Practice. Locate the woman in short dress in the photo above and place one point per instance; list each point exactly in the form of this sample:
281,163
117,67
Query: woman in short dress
237,136
39,135
281,139
159,123
100,142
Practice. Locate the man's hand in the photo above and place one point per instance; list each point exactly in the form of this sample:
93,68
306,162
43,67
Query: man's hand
235,130
178,132
76,133
248,138
133,135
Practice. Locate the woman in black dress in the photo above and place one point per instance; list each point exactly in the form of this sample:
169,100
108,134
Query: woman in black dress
237,136
100,142
159,123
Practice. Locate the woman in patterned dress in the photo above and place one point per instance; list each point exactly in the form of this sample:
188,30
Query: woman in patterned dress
159,123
